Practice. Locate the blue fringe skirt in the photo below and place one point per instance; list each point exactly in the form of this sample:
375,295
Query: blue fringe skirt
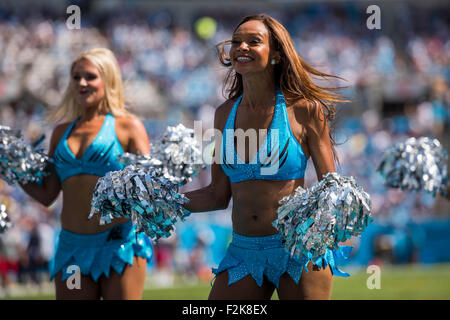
95,254
259,256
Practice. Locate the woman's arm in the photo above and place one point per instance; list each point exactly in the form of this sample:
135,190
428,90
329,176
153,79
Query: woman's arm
319,144
137,136
318,140
47,193
217,194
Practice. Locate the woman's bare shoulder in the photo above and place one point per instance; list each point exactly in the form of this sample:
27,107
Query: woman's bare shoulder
59,130
62,127
225,108
128,121
222,113
301,107
57,134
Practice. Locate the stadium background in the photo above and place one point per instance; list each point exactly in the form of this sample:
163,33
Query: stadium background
398,80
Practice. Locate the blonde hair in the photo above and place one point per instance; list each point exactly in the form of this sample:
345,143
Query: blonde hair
113,101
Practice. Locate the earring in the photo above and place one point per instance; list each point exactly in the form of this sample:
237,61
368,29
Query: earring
272,62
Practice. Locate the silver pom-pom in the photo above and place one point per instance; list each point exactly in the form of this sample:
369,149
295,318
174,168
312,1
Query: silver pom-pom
141,193
4,219
19,161
140,160
313,220
416,165
180,154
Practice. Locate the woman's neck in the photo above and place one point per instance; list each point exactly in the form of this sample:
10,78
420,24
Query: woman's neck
258,92
90,114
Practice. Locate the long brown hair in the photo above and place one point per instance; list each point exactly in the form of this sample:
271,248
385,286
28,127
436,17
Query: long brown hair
292,74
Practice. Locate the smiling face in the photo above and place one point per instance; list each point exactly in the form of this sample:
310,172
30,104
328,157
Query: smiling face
87,84
250,48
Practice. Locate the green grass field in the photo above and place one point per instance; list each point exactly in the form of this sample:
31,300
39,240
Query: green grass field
400,282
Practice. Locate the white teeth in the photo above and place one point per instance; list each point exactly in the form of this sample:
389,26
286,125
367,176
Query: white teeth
244,59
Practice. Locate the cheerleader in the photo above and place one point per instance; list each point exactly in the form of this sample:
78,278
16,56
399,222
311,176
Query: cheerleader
270,88
110,259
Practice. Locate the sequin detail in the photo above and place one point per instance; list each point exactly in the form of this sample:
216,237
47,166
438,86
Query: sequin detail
280,156
96,254
259,256
99,158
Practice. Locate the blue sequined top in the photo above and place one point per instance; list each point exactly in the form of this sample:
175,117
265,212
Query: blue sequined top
99,158
280,156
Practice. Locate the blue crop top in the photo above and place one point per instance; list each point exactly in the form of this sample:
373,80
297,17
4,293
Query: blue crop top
280,156
99,158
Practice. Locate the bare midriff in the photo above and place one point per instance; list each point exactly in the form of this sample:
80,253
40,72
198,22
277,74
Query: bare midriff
255,204
77,195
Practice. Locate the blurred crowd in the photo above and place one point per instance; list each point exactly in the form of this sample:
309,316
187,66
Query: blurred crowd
397,81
